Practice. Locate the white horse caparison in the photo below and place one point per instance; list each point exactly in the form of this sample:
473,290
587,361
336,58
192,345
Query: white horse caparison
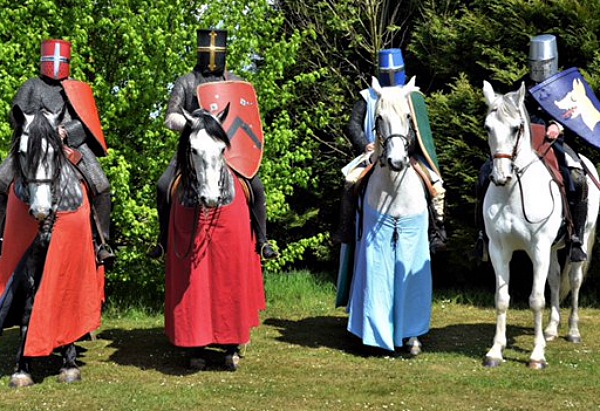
395,189
523,210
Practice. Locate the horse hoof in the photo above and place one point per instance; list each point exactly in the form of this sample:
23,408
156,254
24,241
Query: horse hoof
550,337
415,350
198,364
232,362
20,379
575,339
69,375
491,362
537,365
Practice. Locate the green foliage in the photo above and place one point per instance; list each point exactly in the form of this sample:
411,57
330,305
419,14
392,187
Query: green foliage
131,52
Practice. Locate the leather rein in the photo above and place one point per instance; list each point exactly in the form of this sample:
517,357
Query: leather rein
520,171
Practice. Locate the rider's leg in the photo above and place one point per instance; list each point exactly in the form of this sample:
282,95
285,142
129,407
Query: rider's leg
346,229
99,187
438,234
6,177
578,205
163,207
258,213
483,183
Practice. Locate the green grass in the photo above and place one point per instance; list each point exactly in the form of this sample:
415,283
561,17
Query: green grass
302,358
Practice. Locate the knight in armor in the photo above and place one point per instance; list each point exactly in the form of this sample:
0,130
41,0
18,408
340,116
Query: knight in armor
543,64
361,132
80,130
212,47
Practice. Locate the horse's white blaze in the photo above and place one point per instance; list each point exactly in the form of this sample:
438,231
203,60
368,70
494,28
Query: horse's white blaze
528,222
211,163
39,188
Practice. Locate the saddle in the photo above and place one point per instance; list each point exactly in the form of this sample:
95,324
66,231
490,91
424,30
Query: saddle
543,148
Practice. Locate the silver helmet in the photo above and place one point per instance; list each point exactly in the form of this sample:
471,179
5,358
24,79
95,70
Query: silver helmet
543,57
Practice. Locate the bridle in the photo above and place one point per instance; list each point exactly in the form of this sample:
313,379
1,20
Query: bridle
383,141
520,171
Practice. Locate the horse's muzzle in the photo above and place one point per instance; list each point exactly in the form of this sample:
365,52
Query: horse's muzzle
39,213
397,165
499,181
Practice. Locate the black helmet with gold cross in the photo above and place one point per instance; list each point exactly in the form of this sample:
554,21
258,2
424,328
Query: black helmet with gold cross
212,48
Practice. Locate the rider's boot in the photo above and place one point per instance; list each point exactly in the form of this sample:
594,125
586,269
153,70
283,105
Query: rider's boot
437,233
104,253
258,215
579,214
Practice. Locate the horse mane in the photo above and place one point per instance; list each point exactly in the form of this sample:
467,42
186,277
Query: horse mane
506,107
39,129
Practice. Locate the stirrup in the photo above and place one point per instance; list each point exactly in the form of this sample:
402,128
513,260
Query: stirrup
267,252
105,255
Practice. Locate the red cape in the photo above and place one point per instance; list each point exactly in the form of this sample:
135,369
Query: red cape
68,302
213,295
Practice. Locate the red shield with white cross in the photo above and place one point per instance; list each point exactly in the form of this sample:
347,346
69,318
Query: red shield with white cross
243,124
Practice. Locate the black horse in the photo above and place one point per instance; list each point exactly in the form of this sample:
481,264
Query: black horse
46,200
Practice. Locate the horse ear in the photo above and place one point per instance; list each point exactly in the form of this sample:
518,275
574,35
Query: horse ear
521,94
375,85
488,93
187,115
223,114
411,84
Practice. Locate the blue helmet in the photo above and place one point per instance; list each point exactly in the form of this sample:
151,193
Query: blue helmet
391,68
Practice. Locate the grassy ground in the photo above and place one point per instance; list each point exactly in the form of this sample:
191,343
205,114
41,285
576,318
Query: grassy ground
301,358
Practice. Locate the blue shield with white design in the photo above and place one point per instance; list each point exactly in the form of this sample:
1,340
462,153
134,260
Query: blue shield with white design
569,99
391,68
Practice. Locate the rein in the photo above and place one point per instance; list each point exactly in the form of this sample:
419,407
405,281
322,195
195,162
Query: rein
519,172
211,225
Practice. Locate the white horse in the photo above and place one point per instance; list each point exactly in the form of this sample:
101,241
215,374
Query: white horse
390,295
523,210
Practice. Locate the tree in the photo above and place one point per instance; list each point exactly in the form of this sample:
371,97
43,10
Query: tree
131,52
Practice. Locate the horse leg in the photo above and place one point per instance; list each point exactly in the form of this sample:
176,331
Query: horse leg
576,278
232,357
537,302
554,280
22,376
500,261
198,359
69,372
414,346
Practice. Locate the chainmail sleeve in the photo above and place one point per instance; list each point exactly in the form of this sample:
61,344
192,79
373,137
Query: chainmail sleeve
354,129
183,96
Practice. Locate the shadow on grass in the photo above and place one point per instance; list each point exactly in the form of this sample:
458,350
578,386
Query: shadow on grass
149,348
470,340
41,367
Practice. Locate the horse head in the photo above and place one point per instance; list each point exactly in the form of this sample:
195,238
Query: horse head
392,124
206,179
37,158
507,126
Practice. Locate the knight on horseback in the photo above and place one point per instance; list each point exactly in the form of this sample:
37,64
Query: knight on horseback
543,65
212,47
361,132
80,129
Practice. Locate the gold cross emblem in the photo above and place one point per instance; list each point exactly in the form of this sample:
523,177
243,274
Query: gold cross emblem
212,49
